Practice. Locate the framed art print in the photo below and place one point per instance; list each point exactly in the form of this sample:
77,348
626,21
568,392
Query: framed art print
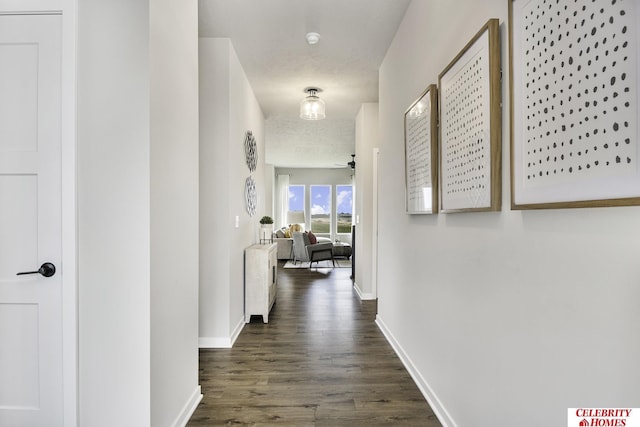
421,153
574,103
470,126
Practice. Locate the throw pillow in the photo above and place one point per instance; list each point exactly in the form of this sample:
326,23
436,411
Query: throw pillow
280,234
312,238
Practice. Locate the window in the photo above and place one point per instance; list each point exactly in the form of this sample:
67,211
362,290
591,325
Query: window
320,208
296,198
344,207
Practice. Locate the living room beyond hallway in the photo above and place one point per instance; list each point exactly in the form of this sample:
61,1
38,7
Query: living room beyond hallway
320,361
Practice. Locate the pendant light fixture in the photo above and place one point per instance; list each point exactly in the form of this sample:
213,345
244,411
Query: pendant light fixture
312,107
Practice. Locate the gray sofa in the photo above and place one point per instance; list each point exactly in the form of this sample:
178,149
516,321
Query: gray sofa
285,244
285,247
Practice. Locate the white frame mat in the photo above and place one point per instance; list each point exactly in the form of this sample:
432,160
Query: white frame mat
574,103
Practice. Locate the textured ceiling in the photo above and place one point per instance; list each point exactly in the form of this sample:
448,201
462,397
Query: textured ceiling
269,38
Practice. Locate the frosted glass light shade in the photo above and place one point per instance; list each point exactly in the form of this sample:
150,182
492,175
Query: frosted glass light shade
312,107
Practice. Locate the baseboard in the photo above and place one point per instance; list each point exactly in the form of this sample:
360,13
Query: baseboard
362,295
222,342
214,342
236,331
425,389
189,408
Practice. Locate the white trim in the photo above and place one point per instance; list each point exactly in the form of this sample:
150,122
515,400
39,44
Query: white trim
189,408
222,342
26,12
69,216
374,225
214,342
443,416
236,332
363,296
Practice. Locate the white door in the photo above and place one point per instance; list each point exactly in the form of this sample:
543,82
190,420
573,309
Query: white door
30,221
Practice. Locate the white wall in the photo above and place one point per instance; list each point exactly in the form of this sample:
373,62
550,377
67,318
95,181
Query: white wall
114,213
514,315
228,108
174,210
366,141
270,190
137,212
215,222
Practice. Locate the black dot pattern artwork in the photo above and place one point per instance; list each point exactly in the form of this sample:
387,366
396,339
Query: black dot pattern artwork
250,151
579,90
465,130
418,156
250,196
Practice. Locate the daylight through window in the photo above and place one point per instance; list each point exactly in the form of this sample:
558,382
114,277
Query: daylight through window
296,198
344,208
320,204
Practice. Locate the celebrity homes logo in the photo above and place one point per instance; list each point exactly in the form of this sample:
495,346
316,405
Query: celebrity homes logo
603,417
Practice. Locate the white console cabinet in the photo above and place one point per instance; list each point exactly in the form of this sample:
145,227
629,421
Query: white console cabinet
260,279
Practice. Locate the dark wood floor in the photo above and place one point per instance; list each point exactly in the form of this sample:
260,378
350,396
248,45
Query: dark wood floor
320,361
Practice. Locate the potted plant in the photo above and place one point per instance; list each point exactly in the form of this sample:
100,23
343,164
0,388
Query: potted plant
266,229
266,221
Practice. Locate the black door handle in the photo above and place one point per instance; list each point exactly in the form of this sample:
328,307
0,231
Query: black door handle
47,270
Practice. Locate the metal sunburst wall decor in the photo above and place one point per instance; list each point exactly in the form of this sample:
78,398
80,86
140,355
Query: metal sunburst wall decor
250,195
250,151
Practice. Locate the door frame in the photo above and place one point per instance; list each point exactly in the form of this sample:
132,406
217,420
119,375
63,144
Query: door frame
374,224
70,345
68,9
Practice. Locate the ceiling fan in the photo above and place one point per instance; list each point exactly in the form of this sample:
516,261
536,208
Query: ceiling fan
351,164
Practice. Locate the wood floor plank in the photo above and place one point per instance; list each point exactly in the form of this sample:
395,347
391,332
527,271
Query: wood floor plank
320,361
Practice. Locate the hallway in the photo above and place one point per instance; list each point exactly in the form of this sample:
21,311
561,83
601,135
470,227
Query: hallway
320,361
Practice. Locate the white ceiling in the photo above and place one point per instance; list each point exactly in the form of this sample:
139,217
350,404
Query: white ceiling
269,38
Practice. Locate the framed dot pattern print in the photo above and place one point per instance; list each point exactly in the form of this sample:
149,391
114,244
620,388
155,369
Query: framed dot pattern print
421,153
470,126
574,103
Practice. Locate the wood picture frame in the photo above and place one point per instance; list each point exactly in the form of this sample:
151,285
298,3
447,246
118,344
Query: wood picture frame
421,153
574,104
470,152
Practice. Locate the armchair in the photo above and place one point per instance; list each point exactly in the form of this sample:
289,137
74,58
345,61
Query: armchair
303,250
